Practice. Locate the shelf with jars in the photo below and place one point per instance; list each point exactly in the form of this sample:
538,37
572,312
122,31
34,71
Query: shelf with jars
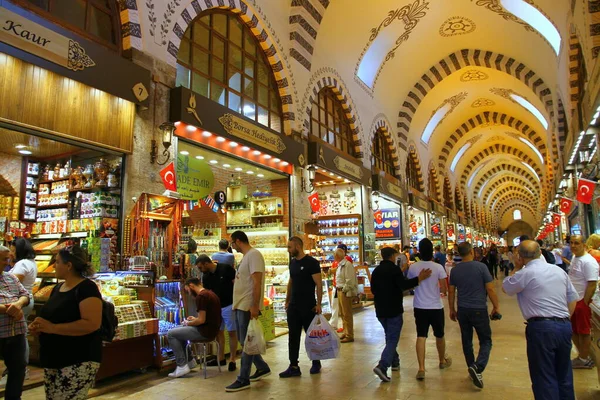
333,231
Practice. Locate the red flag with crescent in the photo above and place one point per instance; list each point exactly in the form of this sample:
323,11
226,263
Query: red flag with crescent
168,177
315,203
585,190
565,205
556,218
378,217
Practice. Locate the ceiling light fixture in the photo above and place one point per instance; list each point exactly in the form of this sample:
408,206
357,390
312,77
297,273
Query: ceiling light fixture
184,153
25,152
260,175
220,139
267,157
177,123
213,162
206,134
256,153
245,148
276,160
233,144
238,169
190,128
250,172
226,165
285,163
20,146
200,157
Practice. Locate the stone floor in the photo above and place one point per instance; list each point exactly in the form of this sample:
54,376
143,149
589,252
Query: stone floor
351,377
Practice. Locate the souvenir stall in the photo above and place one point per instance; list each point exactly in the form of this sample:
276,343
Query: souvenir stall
461,233
388,200
418,223
451,231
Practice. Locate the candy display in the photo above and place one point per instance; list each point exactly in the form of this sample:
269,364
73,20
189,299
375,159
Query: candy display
43,294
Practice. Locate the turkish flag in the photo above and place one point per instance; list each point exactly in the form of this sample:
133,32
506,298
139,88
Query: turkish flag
556,218
168,177
315,203
585,190
565,205
549,227
378,217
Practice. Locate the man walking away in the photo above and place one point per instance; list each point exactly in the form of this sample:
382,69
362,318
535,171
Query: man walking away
547,299
219,277
388,285
438,257
300,303
548,256
557,252
223,256
474,283
428,307
567,254
584,276
248,295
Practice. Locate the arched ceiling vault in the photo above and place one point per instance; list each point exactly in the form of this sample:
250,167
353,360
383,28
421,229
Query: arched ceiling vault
508,178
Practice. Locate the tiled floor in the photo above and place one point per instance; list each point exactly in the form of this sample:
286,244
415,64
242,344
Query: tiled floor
351,377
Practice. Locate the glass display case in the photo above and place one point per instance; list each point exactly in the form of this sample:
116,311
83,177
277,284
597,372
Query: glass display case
170,309
333,231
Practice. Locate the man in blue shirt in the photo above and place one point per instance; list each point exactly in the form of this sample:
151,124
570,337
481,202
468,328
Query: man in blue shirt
547,299
567,254
223,256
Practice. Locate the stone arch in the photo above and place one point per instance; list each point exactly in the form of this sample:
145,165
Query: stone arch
131,30
340,89
510,179
256,26
504,191
447,193
433,175
305,20
593,18
382,123
500,148
506,203
489,117
456,61
503,169
562,125
412,153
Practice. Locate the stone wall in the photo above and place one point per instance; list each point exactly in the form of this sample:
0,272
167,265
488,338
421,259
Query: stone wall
10,174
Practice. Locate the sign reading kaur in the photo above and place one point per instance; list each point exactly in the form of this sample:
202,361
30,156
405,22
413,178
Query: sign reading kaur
248,131
195,179
24,34
389,228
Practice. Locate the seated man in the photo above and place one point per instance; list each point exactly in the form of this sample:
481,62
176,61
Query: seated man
203,327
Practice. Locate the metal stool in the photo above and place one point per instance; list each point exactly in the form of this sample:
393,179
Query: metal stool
193,346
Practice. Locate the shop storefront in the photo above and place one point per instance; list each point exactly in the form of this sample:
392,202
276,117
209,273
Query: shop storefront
388,208
66,127
437,224
418,213
234,174
451,230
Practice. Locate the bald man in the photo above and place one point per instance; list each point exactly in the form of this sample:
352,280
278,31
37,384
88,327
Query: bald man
583,272
547,299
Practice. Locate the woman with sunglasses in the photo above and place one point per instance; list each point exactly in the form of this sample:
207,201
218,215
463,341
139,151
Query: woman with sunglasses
69,329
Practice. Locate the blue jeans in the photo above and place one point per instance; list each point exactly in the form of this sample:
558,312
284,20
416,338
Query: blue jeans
243,320
549,356
469,319
392,328
178,340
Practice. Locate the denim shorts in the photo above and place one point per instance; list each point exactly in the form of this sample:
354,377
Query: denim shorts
228,319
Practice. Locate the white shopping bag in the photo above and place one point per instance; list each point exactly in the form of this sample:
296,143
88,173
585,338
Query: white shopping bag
255,340
322,342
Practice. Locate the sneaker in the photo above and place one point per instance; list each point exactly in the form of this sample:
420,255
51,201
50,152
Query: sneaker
476,377
232,366
180,371
447,363
382,374
192,364
213,363
420,375
396,367
237,386
316,367
259,374
346,340
291,372
577,363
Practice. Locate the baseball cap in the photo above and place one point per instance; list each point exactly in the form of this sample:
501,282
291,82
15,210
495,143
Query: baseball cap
343,247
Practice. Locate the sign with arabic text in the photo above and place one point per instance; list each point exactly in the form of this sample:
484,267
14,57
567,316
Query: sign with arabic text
195,179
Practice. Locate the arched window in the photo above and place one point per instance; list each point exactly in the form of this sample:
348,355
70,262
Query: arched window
412,176
447,193
329,122
220,58
382,154
433,192
97,20
516,214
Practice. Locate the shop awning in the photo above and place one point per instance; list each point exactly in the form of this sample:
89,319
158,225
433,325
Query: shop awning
323,156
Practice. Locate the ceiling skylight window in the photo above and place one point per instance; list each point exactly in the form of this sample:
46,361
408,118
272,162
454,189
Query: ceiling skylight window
532,147
536,19
433,123
475,173
459,155
517,214
529,167
483,187
531,108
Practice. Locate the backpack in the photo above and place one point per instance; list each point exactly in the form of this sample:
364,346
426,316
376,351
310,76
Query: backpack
110,322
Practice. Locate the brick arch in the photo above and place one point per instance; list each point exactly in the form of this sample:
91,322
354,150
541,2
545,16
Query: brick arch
448,192
256,26
432,173
489,200
131,30
453,63
504,149
505,204
499,180
305,20
502,169
6,187
339,88
562,125
512,195
412,153
489,117
381,122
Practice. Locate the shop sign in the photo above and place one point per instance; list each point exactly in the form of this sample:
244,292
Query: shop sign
196,110
437,207
419,202
195,179
54,48
450,233
348,167
388,226
461,233
389,189
452,215
323,156
396,190
253,133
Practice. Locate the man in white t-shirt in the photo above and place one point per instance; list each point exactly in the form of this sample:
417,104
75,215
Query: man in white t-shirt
248,294
557,252
583,272
428,307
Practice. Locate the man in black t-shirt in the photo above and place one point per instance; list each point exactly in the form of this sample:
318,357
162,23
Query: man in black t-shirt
300,303
219,278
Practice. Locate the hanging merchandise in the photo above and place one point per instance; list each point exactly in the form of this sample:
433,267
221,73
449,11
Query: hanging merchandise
335,203
585,190
565,205
324,203
350,200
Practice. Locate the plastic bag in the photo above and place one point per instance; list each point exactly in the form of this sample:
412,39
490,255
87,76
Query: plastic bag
322,342
255,340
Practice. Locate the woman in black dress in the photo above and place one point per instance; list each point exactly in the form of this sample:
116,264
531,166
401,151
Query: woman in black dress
69,329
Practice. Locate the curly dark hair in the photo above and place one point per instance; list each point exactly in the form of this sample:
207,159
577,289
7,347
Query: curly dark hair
78,258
